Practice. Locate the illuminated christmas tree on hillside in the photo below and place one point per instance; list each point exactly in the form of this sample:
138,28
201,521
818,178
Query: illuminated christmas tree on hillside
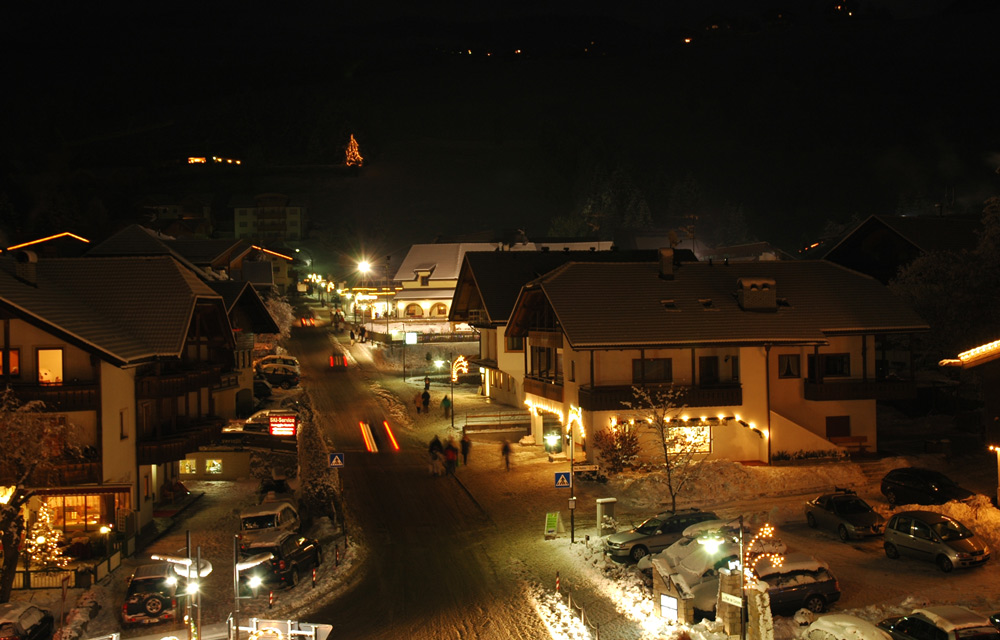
353,158
43,541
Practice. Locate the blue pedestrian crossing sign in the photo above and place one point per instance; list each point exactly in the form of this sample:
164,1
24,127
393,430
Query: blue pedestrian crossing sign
336,460
562,480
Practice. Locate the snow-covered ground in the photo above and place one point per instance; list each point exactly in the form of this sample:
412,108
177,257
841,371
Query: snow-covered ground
873,587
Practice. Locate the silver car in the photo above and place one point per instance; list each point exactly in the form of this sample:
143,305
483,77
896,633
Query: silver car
847,514
654,534
936,538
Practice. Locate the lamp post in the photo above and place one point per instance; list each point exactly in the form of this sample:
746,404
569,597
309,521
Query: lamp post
364,267
713,543
106,531
254,582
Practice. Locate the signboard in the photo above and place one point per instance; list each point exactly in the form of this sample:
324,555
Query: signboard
553,524
336,460
562,480
283,425
729,598
411,337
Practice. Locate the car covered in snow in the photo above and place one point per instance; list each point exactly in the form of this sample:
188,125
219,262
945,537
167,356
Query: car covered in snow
847,514
798,581
947,622
25,621
840,626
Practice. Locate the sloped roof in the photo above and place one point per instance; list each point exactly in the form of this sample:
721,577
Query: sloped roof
445,259
499,275
243,294
625,304
205,251
133,240
936,233
131,308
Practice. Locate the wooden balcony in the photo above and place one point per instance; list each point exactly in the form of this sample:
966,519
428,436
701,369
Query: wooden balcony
176,445
838,389
177,383
71,396
612,398
62,474
548,389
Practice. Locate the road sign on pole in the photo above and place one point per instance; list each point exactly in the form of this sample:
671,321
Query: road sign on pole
562,480
336,460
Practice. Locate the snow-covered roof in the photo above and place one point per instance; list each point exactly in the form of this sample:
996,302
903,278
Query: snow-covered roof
840,626
792,562
951,617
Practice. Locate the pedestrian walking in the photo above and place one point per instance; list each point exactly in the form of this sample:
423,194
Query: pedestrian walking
436,445
446,405
427,383
364,333
505,452
450,457
465,444
437,464
426,398
352,337
416,401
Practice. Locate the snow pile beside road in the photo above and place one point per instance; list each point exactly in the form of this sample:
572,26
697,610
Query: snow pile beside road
727,481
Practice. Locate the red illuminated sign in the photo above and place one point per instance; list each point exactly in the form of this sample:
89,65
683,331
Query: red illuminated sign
283,425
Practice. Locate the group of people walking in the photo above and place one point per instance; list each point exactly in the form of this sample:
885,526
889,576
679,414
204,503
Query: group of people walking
444,456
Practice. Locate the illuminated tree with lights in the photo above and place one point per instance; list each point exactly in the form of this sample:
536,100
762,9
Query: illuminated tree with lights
684,444
33,443
43,541
353,156
618,446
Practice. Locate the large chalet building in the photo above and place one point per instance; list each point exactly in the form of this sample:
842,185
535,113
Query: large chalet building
769,358
146,356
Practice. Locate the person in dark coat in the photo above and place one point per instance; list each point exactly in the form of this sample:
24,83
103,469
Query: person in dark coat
465,444
505,452
426,397
427,383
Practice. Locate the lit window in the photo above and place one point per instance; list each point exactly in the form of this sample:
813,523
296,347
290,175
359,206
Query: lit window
50,366
189,467
668,607
15,362
213,467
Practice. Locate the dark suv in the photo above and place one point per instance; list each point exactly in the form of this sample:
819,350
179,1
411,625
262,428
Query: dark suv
292,555
151,595
800,581
916,485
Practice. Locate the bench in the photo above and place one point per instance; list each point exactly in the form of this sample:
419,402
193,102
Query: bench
855,443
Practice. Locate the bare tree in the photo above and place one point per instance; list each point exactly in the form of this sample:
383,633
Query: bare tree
33,442
657,415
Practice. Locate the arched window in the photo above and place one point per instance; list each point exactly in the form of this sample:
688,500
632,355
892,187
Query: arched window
439,309
414,311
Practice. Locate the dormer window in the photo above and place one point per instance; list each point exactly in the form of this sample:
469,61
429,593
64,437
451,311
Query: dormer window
669,305
706,304
425,281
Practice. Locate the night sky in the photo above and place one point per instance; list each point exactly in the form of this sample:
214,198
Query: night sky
794,114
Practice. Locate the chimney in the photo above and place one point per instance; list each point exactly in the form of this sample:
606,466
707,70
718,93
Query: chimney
25,268
757,294
666,263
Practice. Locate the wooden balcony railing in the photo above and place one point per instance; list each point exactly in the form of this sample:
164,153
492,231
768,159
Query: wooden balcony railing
177,383
70,396
612,398
63,474
178,444
839,389
548,389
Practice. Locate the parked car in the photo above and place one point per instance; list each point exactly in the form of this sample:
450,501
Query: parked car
262,388
25,621
729,530
338,360
916,485
292,555
947,622
288,361
151,594
840,626
279,375
266,517
846,513
800,581
654,534
261,420
936,538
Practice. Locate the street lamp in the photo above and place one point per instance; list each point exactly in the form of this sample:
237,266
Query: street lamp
365,267
254,581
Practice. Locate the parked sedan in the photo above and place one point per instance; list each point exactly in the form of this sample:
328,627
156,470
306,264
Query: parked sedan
25,621
847,514
654,534
916,485
941,623
279,375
